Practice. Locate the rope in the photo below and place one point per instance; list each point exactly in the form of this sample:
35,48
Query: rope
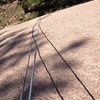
57,90
25,77
68,65
33,71
33,67
32,76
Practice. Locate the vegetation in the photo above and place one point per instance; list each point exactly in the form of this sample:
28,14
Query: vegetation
9,14
28,9
47,5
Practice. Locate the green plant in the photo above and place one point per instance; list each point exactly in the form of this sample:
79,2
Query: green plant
27,4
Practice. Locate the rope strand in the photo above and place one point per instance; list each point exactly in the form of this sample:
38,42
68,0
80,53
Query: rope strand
68,65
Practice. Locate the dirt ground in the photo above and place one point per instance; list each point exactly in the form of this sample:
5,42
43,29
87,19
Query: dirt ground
75,70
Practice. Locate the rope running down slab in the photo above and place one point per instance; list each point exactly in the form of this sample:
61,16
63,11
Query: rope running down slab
33,70
52,80
33,67
92,97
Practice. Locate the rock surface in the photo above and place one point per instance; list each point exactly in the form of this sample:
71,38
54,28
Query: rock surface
75,33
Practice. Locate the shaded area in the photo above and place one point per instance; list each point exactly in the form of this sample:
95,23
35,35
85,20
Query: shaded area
3,32
9,35
8,86
43,88
21,41
76,44
14,47
19,44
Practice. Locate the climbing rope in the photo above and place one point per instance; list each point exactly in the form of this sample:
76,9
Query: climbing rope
23,86
33,70
33,67
52,80
92,97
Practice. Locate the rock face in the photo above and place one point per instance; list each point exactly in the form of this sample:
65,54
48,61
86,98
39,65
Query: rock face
71,74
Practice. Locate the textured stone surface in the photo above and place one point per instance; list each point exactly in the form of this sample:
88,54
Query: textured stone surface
75,32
